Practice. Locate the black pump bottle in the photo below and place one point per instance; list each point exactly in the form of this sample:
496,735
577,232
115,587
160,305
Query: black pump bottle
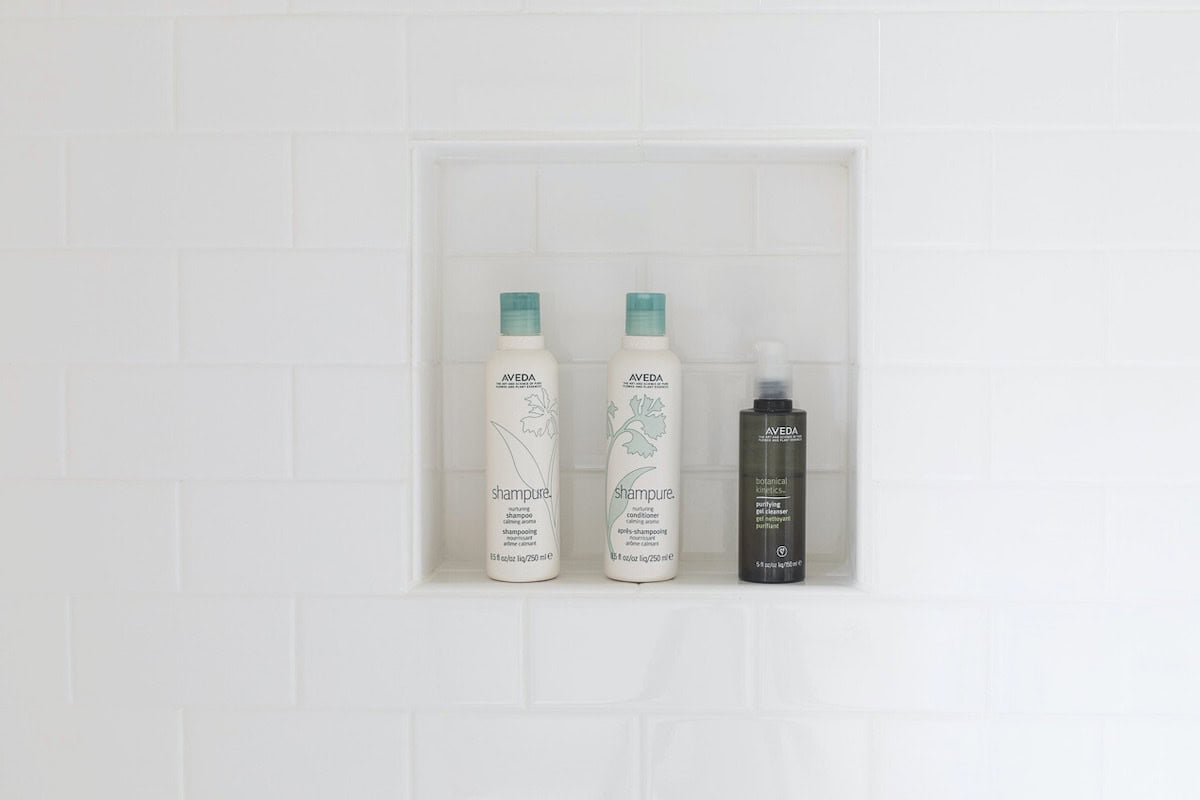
771,467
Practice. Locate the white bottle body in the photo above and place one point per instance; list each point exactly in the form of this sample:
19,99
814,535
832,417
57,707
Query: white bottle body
642,504
522,452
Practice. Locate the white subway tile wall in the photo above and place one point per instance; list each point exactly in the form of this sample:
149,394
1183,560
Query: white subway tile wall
207,541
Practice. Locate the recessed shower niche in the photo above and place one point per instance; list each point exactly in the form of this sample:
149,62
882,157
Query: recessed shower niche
749,241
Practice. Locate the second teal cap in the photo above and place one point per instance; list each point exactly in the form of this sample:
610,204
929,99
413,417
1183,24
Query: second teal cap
645,314
520,314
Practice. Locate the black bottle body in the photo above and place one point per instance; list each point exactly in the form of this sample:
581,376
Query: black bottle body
771,470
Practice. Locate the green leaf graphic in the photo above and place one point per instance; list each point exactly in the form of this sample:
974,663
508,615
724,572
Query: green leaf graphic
639,445
617,505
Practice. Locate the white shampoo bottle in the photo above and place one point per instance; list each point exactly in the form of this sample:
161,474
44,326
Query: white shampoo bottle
521,432
644,437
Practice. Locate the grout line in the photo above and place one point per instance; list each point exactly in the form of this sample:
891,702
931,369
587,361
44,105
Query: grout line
70,651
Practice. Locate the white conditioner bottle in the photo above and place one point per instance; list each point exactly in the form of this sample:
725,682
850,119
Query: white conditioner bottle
644,437
521,381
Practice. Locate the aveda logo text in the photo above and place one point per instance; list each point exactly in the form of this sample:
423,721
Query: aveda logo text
783,430
500,493
517,377
645,377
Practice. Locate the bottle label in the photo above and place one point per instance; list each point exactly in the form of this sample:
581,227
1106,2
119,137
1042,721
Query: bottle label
522,491
643,503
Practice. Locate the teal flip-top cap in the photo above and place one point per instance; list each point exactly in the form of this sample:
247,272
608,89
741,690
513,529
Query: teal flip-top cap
645,314
520,314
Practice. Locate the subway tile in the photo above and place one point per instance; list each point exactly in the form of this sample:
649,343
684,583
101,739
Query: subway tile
295,754
713,397
87,536
88,305
1152,542
294,306
293,537
582,303
1044,757
802,206
488,208
1087,425
591,756
1047,308
31,422
353,422
921,758
1158,69
172,650
412,652
463,431
658,207
583,436
33,650
582,515
280,73
930,424
718,307
1150,759
1023,542
523,73
697,756
676,655
1096,190
33,203
825,514
225,191
179,422
95,75
1051,425
826,655
1112,658
931,307
351,190
757,72
1153,308
931,187
90,752
462,499
946,69
709,513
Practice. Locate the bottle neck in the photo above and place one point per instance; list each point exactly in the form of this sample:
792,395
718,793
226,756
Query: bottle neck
522,343
645,343
773,406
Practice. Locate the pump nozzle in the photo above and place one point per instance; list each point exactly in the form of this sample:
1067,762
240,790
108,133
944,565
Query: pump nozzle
773,377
